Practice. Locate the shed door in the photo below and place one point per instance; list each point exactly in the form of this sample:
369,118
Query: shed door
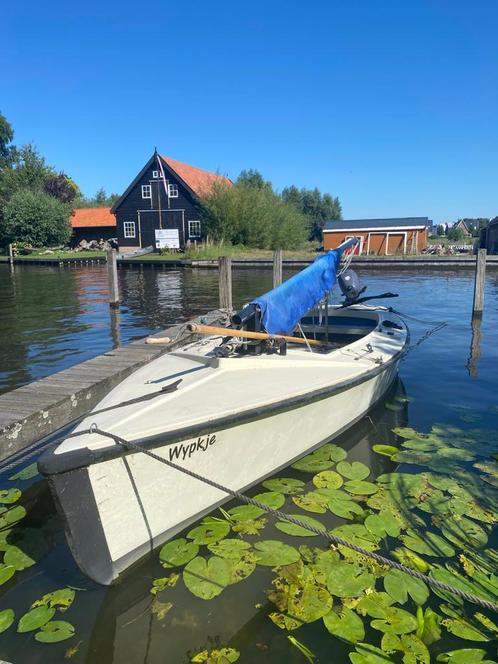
149,220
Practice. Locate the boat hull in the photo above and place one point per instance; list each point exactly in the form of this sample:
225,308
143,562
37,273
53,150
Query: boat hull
119,510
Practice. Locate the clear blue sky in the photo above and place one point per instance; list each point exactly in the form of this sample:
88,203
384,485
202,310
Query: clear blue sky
392,105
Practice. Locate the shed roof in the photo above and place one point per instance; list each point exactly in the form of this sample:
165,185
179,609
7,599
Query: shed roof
198,179
364,224
92,217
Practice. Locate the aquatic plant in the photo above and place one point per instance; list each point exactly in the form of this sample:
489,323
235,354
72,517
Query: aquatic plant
435,514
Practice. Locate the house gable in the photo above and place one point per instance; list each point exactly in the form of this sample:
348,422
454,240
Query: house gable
152,203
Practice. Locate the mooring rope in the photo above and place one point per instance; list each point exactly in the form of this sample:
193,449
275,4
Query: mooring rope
469,597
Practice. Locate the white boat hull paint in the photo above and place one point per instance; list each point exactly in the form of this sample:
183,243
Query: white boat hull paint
134,505
254,414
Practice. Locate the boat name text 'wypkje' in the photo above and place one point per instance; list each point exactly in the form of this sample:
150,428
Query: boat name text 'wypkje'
183,451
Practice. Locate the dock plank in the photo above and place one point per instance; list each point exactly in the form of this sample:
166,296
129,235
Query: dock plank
41,408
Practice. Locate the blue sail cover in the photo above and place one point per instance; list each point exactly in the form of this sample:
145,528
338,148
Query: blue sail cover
283,307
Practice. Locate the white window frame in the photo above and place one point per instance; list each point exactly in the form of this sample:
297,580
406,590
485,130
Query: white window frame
190,234
129,230
155,175
173,191
146,191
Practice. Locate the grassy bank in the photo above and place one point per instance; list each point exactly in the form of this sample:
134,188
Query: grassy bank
59,255
213,252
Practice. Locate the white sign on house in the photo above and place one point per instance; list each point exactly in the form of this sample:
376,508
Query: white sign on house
167,238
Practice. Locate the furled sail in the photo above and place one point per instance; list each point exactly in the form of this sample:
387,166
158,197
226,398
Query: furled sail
283,307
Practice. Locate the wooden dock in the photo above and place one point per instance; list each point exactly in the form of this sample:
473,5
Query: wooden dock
425,261
41,408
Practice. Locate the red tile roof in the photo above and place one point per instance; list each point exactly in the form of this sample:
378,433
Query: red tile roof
92,217
199,180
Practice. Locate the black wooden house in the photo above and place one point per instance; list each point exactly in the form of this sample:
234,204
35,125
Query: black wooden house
160,207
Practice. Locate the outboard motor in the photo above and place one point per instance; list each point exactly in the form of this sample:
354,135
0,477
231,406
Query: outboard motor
350,285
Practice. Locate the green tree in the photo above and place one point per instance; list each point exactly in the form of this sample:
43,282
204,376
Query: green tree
317,207
60,186
28,171
252,216
101,199
455,234
7,151
36,218
254,180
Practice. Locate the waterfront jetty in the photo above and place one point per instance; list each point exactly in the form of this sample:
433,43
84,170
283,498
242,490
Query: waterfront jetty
42,407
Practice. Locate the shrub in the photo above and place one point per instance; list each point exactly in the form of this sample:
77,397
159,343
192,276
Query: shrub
252,216
36,219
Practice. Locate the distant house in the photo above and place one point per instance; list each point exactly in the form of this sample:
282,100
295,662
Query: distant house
401,235
489,237
160,206
467,227
92,224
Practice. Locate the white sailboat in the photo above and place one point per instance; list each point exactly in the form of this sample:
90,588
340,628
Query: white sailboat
231,411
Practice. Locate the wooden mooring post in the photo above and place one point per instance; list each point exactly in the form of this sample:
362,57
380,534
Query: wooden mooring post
277,267
225,282
480,280
112,275
11,255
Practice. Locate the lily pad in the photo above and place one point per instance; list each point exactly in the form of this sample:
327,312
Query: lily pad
385,450
58,599
359,487
375,604
312,463
17,558
12,516
178,552
272,553
368,654
35,619
428,626
409,456
347,625
409,644
299,531
244,513
249,527
26,473
347,580
463,656
9,496
466,630
160,609
206,578
396,621
328,479
356,533
400,585
429,544
287,485
7,617
464,532
353,471
273,499
311,502
207,533
241,568
158,585
410,559
308,603
382,524
6,572
55,631
232,549
332,451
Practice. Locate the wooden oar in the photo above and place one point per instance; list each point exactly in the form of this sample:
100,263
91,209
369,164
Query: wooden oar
243,334
246,334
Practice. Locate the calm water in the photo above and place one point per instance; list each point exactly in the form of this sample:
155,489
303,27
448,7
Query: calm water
52,318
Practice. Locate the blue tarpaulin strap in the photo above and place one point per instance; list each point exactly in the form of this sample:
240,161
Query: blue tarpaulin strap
283,307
